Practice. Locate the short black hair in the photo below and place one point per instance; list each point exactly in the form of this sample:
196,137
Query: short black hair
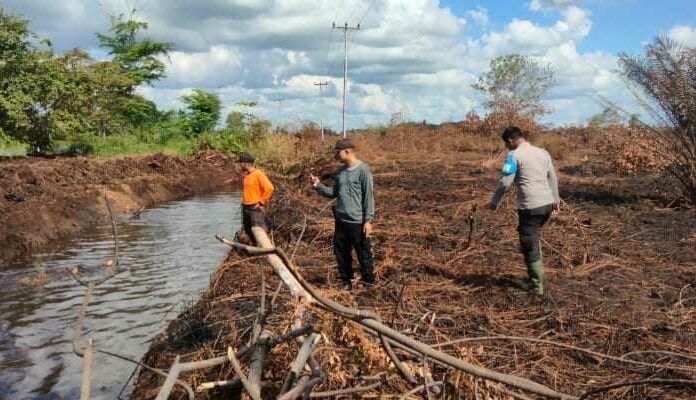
512,133
246,158
344,144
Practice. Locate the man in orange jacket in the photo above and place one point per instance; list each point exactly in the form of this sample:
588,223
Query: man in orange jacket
256,195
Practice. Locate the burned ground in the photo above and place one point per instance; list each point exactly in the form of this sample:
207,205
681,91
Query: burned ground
620,268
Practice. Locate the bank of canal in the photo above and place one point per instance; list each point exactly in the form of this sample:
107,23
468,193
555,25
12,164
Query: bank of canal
170,252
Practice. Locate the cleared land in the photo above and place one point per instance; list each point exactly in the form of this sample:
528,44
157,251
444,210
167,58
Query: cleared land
44,202
620,267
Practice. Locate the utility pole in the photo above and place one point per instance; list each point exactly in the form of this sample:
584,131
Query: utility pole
321,119
345,28
279,107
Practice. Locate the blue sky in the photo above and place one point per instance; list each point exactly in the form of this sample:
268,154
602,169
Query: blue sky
618,25
416,56
626,25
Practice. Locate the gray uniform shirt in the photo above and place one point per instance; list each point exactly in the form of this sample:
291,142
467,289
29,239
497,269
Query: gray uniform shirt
531,170
353,191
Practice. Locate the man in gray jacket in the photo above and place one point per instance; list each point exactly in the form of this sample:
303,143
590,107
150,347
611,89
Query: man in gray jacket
353,213
531,170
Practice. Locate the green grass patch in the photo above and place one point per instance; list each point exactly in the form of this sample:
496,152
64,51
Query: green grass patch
13,150
125,145
142,143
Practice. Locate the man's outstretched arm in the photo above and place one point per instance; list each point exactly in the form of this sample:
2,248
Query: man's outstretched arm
506,180
553,183
328,192
503,186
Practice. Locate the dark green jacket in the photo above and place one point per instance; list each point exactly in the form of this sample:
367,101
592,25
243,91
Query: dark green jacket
353,191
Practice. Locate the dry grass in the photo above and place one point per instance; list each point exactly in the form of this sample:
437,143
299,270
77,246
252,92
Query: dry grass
620,278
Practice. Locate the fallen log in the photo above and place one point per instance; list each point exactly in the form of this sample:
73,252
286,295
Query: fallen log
369,319
264,242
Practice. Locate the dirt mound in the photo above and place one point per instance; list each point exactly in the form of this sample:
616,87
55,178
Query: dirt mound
44,201
621,304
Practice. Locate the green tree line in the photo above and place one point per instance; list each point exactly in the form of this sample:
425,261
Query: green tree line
47,97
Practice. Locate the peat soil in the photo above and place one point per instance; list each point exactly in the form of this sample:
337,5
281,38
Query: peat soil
46,201
620,280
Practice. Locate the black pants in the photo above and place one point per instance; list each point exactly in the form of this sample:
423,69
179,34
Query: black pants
346,238
529,229
253,216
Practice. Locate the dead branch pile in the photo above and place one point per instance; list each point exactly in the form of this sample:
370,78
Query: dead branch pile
619,321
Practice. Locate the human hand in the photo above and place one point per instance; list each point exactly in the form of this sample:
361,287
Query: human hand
313,180
367,228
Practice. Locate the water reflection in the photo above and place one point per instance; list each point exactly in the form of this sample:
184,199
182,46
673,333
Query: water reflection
170,252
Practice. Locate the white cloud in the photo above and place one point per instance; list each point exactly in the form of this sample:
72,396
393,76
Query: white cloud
480,16
539,5
440,79
414,54
304,85
524,36
685,35
371,99
206,69
581,78
582,74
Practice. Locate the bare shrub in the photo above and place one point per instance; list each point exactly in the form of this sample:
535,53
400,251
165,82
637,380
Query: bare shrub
474,125
666,74
498,121
634,150
556,144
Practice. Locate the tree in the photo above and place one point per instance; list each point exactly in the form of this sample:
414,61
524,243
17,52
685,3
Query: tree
235,122
140,111
45,97
17,58
137,56
39,93
516,84
203,111
666,75
248,106
634,121
15,42
108,98
259,128
255,126
608,117
399,117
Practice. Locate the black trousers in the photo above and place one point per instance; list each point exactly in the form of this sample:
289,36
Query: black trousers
347,237
529,228
253,216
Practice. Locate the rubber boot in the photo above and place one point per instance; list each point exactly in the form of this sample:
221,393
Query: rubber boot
535,270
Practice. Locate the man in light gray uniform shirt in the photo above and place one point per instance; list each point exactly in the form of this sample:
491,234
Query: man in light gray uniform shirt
353,213
531,169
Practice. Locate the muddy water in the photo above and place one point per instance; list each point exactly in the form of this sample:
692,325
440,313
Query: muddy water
170,252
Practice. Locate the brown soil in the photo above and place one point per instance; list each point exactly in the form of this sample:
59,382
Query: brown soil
620,271
45,201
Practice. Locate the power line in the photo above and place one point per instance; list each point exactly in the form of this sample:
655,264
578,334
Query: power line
338,10
369,8
329,64
345,28
321,118
353,12
367,11
329,51
333,65
329,43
